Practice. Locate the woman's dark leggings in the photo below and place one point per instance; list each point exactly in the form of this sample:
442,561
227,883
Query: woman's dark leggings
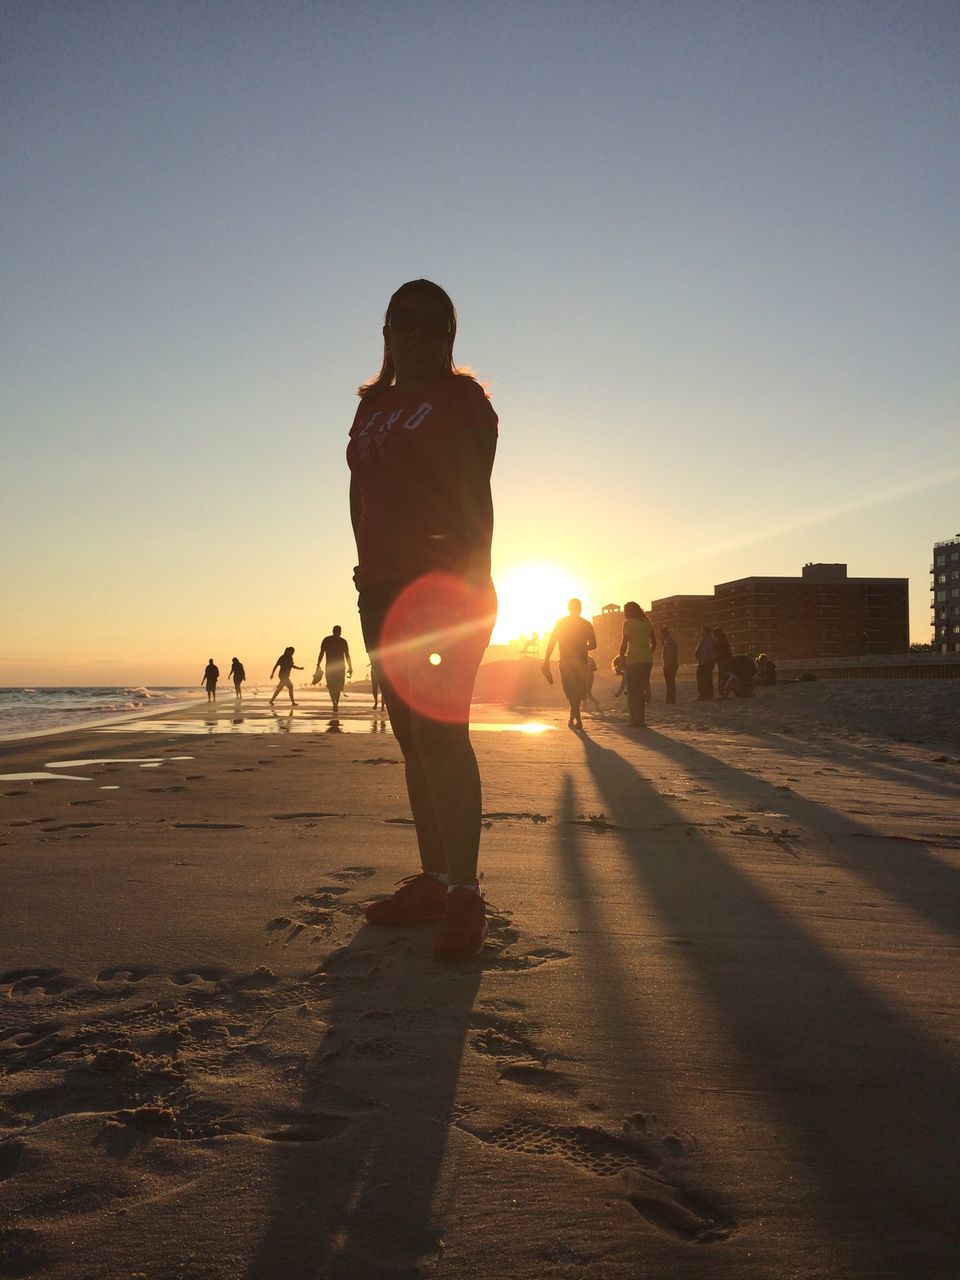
443,779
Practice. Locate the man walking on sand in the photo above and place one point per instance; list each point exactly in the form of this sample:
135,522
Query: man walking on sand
668,647
336,651
576,638
285,664
211,675
705,655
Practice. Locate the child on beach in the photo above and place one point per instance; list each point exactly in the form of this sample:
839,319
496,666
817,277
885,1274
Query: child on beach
620,669
285,664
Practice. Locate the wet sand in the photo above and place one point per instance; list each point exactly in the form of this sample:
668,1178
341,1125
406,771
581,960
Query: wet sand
714,1031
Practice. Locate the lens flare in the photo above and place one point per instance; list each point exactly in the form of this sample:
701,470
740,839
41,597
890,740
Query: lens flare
433,638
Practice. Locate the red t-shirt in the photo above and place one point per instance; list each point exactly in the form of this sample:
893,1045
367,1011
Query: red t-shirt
404,462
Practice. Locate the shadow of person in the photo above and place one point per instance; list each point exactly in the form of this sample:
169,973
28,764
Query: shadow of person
813,1036
379,1091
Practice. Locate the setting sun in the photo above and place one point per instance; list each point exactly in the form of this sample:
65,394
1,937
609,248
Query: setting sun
531,598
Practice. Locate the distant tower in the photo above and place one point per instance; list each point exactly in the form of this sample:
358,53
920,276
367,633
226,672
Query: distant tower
608,625
945,595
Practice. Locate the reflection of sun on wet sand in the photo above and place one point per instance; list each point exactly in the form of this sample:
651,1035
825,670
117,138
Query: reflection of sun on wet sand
713,1031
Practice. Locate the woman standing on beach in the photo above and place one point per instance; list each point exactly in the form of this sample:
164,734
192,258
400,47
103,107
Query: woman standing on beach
237,675
420,455
639,642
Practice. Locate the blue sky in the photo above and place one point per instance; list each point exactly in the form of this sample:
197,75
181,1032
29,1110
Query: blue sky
705,254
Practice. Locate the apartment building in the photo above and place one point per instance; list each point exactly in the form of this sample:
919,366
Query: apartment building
686,616
822,614
945,595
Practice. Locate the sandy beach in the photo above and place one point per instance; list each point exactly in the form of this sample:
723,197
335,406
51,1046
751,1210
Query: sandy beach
714,1031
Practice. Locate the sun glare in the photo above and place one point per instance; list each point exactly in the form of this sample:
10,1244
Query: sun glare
531,597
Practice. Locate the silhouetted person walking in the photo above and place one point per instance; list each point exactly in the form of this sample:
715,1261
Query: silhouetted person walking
375,686
637,646
576,637
420,455
722,655
335,651
671,660
237,675
211,675
285,664
705,657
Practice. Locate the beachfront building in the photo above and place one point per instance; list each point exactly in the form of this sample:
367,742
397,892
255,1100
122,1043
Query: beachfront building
608,624
945,595
821,614
686,616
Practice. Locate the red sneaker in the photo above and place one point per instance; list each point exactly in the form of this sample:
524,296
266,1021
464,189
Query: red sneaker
463,928
419,900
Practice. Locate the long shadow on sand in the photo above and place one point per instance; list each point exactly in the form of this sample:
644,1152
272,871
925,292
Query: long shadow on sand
926,776
863,1097
904,869
356,1202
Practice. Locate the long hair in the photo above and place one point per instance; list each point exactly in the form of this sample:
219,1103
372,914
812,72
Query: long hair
632,610
387,375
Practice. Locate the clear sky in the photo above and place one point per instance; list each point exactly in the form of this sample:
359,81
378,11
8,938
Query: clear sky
706,255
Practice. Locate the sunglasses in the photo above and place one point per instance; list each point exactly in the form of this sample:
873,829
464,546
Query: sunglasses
403,321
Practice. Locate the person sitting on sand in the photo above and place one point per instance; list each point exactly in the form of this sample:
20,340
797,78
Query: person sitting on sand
211,675
740,677
285,664
335,650
237,675
637,647
766,670
576,637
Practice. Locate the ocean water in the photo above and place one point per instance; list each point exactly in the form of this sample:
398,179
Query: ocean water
26,712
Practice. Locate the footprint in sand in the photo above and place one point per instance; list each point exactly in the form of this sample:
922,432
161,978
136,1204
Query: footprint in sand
210,826
501,961
665,1206
132,974
531,1076
196,977
293,817
677,1212
24,982
521,1061
524,816
74,826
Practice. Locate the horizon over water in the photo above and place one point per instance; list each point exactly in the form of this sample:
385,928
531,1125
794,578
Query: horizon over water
28,710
